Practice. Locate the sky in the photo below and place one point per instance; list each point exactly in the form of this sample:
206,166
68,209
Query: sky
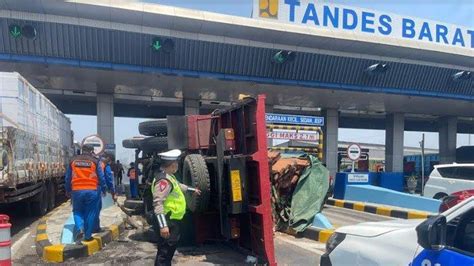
459,12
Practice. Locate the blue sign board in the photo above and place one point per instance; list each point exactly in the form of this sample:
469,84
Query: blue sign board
363,23
295,119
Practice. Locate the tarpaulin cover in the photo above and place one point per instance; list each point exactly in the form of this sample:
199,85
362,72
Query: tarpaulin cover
309,194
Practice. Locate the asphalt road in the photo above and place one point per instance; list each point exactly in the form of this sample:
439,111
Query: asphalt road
342,217
137,248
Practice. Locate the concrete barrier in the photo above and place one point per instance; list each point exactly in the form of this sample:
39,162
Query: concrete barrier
379,210
313,233
378,195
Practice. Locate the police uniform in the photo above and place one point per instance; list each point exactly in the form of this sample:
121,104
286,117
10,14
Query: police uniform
84,178
169,206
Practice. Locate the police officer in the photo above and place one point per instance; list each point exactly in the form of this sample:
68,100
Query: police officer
84,177
169,206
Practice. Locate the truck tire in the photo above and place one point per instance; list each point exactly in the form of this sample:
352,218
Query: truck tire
154,144
39,203
51,195
131,143
196,174
153,128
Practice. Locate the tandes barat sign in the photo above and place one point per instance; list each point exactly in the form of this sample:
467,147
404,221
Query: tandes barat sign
337,18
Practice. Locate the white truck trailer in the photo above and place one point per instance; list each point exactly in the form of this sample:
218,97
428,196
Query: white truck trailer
36,144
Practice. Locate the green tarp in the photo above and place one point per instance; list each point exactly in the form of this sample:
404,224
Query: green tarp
309,195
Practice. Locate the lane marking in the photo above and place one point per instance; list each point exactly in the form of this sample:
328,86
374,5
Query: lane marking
313,247
19,243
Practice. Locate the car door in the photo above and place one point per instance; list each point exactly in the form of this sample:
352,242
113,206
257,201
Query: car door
459,248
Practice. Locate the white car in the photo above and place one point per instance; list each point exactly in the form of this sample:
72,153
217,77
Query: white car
446,179
385,243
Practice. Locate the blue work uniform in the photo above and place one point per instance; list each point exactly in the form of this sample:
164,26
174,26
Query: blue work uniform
109,177
133,177
84,178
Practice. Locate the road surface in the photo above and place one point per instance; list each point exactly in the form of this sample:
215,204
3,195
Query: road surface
136,247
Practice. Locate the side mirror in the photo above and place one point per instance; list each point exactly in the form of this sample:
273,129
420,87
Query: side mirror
432,233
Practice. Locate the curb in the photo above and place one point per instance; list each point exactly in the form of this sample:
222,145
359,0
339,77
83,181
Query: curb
379,210
60,253
313,233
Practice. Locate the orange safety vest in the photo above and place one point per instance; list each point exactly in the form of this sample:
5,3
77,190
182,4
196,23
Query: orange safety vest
133,174
84,174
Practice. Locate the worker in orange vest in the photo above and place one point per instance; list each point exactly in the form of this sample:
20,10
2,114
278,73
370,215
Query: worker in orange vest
133,174
84,178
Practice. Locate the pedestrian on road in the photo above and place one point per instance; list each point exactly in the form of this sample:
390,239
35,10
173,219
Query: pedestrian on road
84,178
109,177
133,177
169,206
118,171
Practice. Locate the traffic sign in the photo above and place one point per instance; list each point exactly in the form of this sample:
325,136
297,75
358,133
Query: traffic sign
294,119
96,142
156,44
15,30
354,152
292,136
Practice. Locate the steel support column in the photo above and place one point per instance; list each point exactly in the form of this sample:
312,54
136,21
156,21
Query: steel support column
105,117
191,106
331,129
394,131
447,139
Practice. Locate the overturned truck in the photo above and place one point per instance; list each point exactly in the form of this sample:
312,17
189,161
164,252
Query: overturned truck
225,156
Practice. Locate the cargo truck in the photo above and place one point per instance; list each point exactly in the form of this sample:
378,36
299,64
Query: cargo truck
36,143
225,156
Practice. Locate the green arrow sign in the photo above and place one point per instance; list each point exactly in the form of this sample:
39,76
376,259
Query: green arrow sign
15,31
156,44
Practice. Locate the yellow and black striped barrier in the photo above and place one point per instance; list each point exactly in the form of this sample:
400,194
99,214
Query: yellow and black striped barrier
61,253
313,233
379,210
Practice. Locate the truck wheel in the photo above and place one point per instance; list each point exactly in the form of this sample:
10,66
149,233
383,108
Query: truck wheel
195,174
39,204
131,143
154,144
51,196
153,128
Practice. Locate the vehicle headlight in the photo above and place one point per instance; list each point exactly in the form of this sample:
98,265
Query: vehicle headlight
334,240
